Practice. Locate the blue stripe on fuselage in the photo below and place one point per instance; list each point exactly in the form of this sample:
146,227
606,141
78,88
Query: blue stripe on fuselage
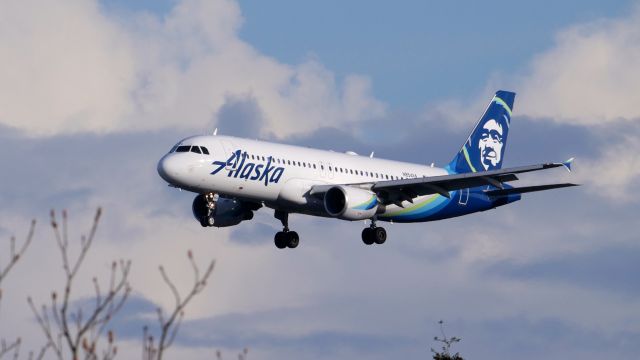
437,207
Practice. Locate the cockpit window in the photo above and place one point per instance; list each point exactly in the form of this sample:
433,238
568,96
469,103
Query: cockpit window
183,148
204,150
195,149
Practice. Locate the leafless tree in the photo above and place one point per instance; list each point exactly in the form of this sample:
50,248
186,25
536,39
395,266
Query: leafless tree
74,329
15,254
170,324
447,342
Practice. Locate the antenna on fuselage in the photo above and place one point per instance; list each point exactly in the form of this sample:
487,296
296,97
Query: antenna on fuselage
215,132
371,156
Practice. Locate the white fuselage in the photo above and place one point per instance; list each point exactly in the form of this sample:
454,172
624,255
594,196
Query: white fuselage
243,176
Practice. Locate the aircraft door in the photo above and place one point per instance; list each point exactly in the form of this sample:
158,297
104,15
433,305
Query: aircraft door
464,196
229,148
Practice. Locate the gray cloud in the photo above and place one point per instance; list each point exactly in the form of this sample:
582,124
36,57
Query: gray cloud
254,232
240,116
612,269
523,338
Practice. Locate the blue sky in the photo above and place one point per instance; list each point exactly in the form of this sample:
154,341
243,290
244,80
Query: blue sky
93,93
415,51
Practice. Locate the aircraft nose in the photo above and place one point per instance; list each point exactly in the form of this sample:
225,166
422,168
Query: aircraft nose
168,168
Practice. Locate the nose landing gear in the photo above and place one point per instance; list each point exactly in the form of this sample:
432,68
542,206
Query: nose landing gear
285,238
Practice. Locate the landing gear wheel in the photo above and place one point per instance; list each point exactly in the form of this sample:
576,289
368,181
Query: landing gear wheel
367,236
379,235
293,239
281,240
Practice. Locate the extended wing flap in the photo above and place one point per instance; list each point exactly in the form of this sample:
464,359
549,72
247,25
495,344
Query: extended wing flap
526,189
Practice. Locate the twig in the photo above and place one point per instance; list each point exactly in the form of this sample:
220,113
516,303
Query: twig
169,326
75,329
14,256
6,348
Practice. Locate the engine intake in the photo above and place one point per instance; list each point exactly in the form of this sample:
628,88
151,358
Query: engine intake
350,203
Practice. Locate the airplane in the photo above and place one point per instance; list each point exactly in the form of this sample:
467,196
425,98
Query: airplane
234,177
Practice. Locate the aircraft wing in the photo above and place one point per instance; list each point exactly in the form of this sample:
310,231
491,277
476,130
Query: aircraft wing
396,191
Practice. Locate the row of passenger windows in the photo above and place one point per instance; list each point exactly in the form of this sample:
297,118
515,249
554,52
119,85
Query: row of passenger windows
336,169
193,149
203,150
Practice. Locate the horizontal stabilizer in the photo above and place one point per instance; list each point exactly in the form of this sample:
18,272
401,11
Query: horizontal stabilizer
567,164
526,189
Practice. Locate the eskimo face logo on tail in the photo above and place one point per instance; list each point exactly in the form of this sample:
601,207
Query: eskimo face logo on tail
490,144
487,143
237,166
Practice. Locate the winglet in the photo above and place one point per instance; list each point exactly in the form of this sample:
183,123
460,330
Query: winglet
567,164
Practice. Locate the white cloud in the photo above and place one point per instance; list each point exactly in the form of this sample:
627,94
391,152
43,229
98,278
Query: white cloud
614,172
63,67
591,74
70,67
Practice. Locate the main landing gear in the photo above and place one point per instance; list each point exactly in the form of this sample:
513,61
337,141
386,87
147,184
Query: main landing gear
285,238
374,234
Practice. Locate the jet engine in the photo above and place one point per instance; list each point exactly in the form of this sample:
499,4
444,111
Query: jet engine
350,203
222,212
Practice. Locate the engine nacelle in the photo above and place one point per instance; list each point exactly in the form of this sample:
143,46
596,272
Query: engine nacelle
350,203
226,212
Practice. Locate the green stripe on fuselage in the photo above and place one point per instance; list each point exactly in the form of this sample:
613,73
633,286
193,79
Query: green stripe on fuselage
412,208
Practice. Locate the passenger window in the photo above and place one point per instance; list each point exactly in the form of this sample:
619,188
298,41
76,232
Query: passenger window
183,148
204,150
314,166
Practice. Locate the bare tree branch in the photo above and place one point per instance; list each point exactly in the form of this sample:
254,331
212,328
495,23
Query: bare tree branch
7,348
169,326
14,255
75,330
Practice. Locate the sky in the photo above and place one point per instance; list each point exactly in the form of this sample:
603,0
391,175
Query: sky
93,93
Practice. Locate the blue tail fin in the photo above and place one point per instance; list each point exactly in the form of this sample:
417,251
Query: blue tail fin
484,149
